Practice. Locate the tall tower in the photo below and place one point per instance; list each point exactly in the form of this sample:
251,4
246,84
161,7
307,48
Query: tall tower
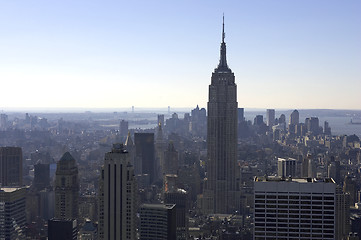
11,166
221,193
66,188
117,199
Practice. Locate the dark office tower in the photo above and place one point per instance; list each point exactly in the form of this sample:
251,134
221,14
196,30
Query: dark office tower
170,165
144,154
41,176
60,229
12,213
117,199
258,120
11,166
66,188
123,128
179,197
221,192
240,115
270,117
157,222
326,129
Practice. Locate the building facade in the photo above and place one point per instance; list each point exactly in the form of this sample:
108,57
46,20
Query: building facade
11,167
221,192
144,154
270,117
157,222
117,196
12,213
296,209
66,188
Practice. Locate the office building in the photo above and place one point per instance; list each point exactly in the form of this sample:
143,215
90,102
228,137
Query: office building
270,117
61,229
41,176
297,208
66,188
179,197
11,167
123,128
144,154
170,164
89,231
286,167
221,188
117,196
12,213
241,115
258,120
326,128
160,147
157,222
294,118
161,120
313,126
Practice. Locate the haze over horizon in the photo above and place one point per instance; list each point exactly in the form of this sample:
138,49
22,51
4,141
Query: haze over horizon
114,55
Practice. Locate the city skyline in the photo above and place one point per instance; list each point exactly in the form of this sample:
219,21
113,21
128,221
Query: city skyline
117,55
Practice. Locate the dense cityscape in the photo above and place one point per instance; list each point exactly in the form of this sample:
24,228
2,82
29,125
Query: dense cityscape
210,173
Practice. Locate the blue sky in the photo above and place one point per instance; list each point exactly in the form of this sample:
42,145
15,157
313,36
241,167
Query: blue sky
118,54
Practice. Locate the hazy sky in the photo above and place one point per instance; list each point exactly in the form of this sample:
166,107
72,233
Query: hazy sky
110,54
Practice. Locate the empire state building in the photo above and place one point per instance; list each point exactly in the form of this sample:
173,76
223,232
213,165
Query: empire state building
221,190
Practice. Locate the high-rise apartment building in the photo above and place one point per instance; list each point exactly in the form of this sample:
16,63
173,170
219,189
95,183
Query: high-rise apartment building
270,117
11,166
117,196
157,222
66,188
298,209
221,192
12,213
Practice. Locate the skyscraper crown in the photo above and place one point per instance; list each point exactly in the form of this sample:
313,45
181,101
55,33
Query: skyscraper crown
222,66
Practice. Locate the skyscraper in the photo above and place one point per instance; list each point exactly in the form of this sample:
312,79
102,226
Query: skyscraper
270,117
12,213
117,199
66,188
144,154
286,167
11,166
295,117
221,192
157,222
298,209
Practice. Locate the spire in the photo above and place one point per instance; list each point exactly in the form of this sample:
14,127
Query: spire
223,34
222,66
